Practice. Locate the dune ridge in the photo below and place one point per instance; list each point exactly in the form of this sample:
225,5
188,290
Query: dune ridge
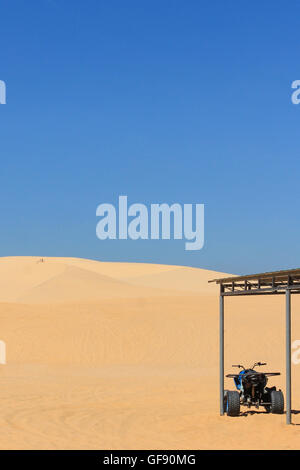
38,280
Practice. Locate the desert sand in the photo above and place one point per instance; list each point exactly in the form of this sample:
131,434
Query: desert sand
125,356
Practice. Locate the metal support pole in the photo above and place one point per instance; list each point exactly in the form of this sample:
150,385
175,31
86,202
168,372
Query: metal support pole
221,354
288,357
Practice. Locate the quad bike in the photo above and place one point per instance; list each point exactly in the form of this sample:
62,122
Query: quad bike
252,391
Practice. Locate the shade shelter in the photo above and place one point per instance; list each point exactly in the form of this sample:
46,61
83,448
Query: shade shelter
286,283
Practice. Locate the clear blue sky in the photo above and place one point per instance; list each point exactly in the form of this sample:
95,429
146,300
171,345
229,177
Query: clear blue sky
164,101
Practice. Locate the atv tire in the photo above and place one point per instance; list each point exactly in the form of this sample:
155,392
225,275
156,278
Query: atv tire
233,403
277,402
225,399
268,408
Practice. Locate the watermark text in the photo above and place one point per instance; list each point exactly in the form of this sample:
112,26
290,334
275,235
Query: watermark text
162,223
2,92
296,94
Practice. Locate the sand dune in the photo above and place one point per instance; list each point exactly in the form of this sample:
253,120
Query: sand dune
119,355
40,280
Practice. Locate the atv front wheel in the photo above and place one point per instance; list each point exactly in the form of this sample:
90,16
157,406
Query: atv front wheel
277,402
233,403
225,399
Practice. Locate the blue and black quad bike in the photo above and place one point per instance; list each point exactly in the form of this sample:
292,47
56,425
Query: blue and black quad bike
252,391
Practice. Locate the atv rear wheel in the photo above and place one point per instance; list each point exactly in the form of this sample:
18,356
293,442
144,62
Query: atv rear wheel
233,403
277,402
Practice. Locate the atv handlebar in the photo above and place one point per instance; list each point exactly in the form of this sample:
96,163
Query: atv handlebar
254,365
259,364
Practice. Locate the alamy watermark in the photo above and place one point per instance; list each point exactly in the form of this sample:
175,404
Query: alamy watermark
296,94
296,352
2,92
135,222
2,352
